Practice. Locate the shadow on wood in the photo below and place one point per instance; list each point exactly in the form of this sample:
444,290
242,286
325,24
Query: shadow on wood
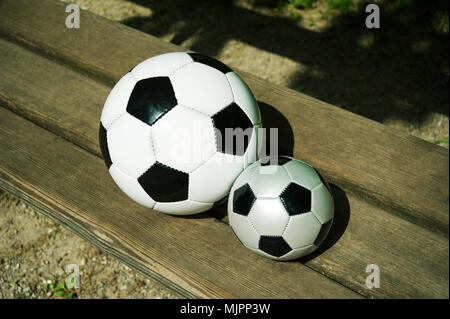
340,223
281,139
219,211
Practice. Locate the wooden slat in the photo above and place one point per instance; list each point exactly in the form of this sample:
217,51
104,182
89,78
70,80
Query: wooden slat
392,169
372,235
194,256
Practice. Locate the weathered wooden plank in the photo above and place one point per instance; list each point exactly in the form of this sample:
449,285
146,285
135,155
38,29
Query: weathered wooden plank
372,235
388,167
196,256
413,261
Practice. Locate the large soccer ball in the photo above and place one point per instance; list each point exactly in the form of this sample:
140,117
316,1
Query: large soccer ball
163,132
282,211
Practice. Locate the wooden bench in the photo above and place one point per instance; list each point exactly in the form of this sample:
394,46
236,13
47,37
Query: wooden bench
391,188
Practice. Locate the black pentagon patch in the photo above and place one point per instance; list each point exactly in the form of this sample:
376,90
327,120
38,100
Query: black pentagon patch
200,58
151,98
274,245
243,200
323,233
234,130
280,161
104,145
165,184
296,199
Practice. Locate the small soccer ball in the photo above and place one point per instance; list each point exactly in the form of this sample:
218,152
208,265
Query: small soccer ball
280,208
163,132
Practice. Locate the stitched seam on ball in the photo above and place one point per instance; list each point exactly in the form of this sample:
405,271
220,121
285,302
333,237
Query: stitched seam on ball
189,189
162,115
282,202
177,171
250,221
215,129
231,87
281,198
274,257
268,197
200,202
202,164
315,217
290,176
316,187
234,97
115,119
254,199
233,101
152,143
193,109
285,227
136,178
180,67
171,167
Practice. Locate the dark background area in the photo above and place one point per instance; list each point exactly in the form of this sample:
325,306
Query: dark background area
396,73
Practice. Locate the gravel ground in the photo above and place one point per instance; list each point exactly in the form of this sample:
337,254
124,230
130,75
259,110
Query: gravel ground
399,79
35,252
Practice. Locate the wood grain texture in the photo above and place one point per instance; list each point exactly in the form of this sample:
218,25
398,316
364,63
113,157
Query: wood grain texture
405,175
196,256
372,235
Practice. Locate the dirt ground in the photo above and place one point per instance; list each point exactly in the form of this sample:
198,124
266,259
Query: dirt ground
397,75
35,252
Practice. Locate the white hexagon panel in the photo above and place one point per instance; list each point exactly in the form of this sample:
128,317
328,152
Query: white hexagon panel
130,145
268,216
116,103
183,139
202,87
